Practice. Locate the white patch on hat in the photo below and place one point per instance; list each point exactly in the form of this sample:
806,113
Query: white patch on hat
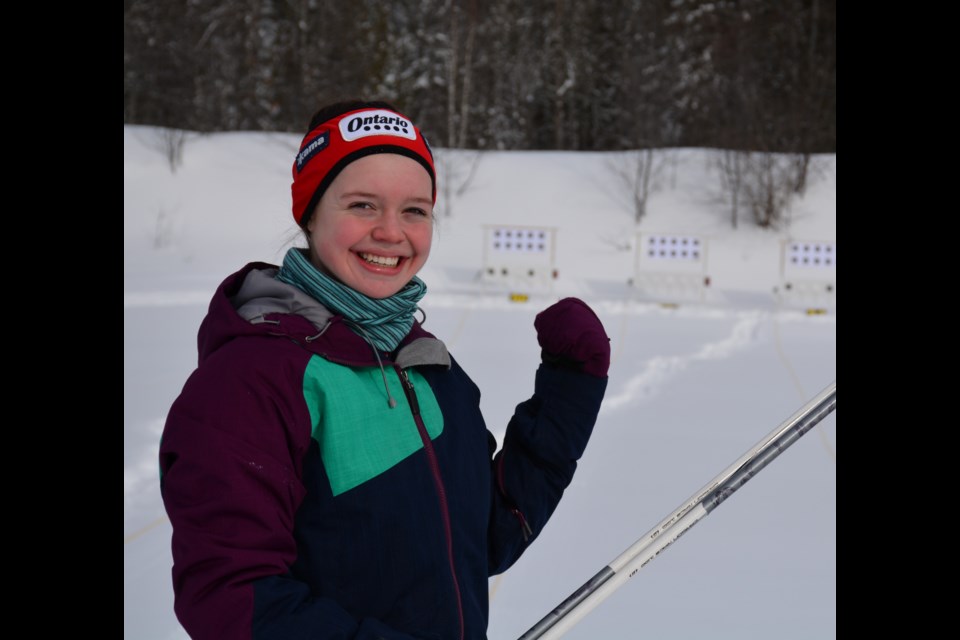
376,122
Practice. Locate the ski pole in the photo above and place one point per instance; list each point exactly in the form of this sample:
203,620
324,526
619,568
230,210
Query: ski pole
627,564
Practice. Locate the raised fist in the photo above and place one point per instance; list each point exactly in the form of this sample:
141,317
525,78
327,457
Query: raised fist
571,336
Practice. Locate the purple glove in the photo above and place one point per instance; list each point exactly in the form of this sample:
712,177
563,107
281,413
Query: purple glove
571,335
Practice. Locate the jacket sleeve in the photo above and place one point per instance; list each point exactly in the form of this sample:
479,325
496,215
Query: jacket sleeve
544,440
231,488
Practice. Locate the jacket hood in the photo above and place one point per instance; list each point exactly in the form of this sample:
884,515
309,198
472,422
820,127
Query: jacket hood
252,302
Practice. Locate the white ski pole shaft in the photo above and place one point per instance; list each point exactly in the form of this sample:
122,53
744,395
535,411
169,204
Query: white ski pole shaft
627,564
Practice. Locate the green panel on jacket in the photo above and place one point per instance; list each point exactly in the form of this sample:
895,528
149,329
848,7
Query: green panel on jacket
360,437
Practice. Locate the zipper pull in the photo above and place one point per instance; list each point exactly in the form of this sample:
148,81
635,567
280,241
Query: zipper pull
410,392
527,531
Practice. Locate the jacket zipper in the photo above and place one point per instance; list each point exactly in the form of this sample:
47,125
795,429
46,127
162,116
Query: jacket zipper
438,481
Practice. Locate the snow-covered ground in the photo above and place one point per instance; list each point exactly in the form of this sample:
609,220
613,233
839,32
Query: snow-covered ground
698,375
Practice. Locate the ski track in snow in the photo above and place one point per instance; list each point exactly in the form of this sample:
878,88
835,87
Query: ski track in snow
660,369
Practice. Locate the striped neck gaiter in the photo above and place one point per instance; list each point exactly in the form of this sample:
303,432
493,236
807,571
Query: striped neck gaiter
382,322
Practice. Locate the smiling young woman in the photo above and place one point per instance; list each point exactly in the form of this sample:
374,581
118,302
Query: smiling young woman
326,468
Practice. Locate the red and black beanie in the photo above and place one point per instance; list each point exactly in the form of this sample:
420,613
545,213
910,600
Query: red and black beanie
334,143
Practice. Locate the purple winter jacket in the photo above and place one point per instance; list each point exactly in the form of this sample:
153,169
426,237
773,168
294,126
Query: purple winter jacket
303,505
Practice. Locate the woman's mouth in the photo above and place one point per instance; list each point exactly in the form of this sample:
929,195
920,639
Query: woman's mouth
380,261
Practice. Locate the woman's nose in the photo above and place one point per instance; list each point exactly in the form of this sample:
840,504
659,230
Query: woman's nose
388,228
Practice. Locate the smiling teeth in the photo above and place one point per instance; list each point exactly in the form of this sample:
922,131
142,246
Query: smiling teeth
383,261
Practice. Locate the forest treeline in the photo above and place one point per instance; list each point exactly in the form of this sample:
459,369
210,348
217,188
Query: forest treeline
584,75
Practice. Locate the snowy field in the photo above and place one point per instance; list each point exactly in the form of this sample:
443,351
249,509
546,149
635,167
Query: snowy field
696,379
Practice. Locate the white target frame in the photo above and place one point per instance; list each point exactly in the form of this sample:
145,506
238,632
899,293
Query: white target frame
670,265
519,255
808,272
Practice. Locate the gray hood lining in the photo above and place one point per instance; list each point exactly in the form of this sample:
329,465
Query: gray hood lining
261,293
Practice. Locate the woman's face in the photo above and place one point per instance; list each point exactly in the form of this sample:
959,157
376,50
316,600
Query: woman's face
373,227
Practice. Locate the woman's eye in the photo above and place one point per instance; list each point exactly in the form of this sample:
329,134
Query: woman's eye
418,211
360,205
